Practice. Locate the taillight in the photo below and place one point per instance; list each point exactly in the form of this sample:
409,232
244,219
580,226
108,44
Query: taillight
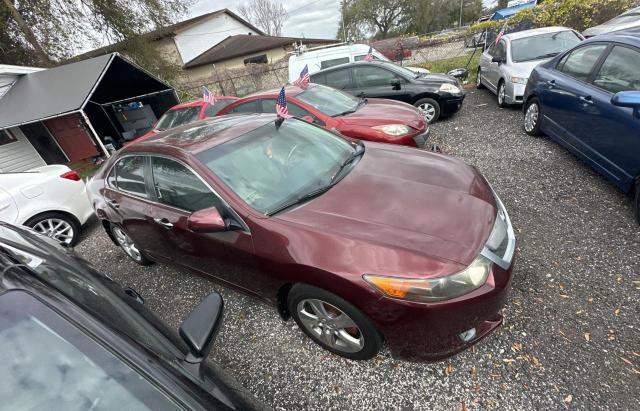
71,175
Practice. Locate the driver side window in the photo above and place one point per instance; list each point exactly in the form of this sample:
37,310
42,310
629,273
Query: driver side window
500,50
176,186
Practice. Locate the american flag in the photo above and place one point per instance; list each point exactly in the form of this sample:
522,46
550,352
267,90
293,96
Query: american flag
281,106
369,55
208,96
501,34
303,80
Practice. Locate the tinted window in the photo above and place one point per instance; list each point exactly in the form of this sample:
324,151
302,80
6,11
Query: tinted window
55,366
543,46
500,50
6,137
248,107
177,186
130,175
620,71
339,79
212,110
268,167
580,62
269,106
319,79
330,63
328,100
365,76
178,117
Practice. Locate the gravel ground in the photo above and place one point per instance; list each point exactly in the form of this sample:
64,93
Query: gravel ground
571,337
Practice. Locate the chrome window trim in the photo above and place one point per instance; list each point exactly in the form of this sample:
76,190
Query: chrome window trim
148,200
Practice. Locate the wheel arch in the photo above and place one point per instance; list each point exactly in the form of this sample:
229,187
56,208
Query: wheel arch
426,94
34,216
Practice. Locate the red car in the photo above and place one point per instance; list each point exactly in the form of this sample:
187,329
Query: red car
186,113
360,242
373,119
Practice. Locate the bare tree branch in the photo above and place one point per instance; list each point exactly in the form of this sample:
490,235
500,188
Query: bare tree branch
268,15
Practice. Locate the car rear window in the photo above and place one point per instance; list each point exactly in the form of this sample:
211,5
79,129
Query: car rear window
333,62
178,117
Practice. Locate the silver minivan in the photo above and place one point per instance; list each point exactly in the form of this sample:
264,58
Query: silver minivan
506,65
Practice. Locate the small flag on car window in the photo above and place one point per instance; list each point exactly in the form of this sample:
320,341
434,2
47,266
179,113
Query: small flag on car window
369,55
208,96
303,80
281,106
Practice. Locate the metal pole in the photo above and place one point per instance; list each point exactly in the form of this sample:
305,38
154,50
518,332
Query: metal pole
344,30
461,4
102,147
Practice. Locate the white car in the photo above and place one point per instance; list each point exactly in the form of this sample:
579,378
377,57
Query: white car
320,58
51,199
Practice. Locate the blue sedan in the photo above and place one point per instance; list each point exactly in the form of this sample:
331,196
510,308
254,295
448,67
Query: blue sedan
588,100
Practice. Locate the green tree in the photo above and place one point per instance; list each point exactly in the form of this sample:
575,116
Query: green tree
381,17
502,4
44,32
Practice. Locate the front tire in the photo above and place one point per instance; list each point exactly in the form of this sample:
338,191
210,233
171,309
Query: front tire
429,108
128,245
61,227
532,116
333,323
502,94
636,202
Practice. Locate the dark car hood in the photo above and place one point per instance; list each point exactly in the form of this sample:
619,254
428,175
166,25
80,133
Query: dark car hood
409,199
379,111
436,79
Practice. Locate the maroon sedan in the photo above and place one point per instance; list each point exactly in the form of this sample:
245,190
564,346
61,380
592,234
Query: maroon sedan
359,242
374,119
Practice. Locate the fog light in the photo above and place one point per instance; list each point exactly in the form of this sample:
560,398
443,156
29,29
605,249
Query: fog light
468,335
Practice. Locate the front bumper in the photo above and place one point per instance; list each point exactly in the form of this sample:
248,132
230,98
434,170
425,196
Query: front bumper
451,105
514,92
417,331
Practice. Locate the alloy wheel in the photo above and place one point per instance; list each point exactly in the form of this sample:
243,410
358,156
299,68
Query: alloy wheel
126,243
501,94
478,80
531,117
56,228
428,111
330,325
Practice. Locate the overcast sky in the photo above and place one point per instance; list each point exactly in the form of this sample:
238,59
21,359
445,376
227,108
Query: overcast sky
311,18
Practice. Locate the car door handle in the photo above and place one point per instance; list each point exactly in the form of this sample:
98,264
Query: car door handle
586,99
551,83
163,222
113,203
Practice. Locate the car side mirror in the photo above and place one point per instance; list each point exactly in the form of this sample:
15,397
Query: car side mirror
207,220
497,59
395,83
630,99
200,328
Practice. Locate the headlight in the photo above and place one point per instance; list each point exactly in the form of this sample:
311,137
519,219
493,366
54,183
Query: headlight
519,80
393,129
450,88
434,289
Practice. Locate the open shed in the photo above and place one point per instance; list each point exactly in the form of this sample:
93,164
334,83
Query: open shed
78,112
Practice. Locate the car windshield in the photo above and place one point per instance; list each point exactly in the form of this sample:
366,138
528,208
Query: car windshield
403,71
329,101
272,166
543,46
178,117
626,18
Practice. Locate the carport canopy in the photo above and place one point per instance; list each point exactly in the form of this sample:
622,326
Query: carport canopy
67,89
510,11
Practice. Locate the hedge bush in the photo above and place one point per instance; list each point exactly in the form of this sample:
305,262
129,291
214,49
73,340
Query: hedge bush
576,14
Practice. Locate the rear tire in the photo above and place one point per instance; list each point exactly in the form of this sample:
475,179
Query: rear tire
479,84
430,109
333,323
532,115
59,226
129,246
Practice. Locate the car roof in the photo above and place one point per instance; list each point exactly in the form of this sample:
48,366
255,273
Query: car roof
201,135
200,103
345,48
535,32
289,90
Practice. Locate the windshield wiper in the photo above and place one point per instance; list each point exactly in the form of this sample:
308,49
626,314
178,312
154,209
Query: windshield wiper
544,56
343,113
359,150
356,153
